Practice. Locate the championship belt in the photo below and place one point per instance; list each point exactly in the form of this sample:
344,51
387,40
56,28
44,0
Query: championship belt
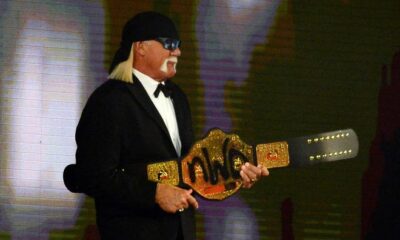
212,167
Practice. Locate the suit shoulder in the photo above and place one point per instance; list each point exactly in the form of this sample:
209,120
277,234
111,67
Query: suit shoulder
111,90
110,87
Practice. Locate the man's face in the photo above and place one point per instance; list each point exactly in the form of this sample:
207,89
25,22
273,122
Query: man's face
161,62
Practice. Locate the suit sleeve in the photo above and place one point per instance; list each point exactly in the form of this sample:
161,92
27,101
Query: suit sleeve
98,138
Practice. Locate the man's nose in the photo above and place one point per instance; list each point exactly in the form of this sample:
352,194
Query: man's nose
176,52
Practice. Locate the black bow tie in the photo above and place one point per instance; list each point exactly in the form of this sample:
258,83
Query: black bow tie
163,88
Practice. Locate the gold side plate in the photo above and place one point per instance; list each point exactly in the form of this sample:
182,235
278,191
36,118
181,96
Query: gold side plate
273,155
164,172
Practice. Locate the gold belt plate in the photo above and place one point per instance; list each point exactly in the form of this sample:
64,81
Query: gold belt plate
212,167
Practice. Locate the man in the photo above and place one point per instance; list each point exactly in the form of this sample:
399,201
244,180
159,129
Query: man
137,117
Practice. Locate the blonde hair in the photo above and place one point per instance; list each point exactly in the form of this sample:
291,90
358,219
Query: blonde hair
123,71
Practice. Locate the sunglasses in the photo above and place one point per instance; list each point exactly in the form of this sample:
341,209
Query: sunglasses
169,43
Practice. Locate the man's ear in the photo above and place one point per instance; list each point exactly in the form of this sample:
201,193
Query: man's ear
140,48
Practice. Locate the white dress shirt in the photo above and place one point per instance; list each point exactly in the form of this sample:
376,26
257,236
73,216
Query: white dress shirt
164,106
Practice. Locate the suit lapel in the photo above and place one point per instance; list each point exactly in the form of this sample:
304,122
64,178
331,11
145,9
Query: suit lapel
144,100
182,118
178,111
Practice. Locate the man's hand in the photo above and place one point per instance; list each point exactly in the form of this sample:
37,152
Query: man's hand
172,199
250,174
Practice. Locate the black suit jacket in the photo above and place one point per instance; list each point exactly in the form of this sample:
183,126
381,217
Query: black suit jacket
119,133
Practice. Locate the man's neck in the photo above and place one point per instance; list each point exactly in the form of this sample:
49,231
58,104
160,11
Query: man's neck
144,71
147,75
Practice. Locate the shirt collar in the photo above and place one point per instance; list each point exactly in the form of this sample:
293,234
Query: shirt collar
148,83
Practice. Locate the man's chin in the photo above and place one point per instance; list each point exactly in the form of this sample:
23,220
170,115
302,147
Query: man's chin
171,74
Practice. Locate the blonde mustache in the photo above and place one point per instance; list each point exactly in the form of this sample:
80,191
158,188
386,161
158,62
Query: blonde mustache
164,67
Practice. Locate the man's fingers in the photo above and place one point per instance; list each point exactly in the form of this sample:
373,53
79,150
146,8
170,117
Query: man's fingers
252,172
186,199
244,176
247,182
252,168
192,201
264,170
183,203
172,199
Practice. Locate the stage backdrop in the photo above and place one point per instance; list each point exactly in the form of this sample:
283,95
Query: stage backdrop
267,70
